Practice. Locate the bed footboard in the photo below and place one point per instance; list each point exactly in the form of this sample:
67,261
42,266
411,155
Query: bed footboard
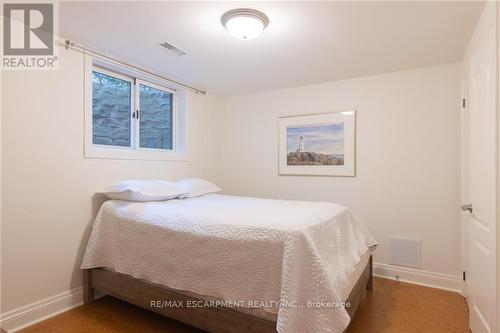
145,295
88,290
217,320
358,293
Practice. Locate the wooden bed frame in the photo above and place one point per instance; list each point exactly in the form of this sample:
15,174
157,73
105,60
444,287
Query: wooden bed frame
210,319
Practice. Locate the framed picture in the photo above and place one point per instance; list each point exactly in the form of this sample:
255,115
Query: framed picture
318,145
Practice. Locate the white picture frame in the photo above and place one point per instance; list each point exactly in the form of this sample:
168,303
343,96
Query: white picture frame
318,144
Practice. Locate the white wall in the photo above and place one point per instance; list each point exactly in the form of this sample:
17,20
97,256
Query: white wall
407,181
408,155
47,183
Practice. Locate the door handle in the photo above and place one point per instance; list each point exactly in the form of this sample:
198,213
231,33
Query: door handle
467,207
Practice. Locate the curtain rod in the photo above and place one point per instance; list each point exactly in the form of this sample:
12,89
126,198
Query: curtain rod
70,44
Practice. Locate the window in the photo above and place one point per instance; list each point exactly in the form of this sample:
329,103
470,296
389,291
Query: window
155,116
111,115
131,117
114,114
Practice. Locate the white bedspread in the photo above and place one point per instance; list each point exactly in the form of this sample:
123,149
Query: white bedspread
238,249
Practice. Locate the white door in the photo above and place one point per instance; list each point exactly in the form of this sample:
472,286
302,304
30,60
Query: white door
481,183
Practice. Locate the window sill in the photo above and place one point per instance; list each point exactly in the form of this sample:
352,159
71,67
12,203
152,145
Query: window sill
94,152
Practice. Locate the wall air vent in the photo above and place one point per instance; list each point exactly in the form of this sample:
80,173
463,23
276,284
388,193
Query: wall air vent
405,252
172,48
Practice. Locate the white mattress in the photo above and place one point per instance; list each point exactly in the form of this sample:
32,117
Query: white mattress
239,249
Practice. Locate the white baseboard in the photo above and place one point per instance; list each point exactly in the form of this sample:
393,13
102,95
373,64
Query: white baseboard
417,276
22,317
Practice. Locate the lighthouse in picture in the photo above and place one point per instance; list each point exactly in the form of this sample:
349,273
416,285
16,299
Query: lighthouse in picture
301,145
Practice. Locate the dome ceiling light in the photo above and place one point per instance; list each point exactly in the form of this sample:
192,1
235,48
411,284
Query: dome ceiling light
244,23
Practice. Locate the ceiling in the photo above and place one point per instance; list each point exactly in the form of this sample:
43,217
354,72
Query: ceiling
305,42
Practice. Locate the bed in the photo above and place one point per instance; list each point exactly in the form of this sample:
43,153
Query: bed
233,264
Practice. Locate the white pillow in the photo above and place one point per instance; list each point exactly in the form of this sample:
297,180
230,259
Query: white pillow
194,187
144,190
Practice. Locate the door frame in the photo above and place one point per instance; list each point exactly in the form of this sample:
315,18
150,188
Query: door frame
496,325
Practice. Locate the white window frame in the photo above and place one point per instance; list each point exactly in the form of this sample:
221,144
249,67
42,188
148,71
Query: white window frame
178,151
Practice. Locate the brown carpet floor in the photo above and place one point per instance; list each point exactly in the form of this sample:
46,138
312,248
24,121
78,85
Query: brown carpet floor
391,307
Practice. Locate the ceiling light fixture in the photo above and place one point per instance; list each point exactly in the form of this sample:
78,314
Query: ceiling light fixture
244,23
